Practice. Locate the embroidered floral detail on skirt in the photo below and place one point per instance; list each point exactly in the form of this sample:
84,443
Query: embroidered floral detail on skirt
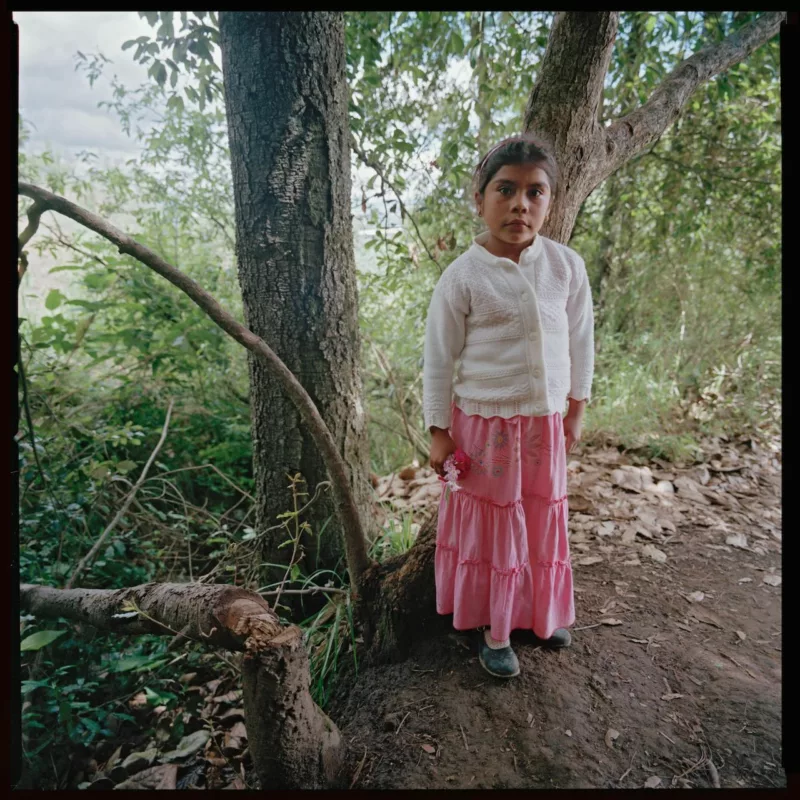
502,554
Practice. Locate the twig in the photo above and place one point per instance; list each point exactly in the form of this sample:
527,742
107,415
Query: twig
218,471
373,164
298,531
29,419
697,171
696,765
401,723
586,627
359,768
329,589
66,243
627,771
87,559
384,364
464,736
712,771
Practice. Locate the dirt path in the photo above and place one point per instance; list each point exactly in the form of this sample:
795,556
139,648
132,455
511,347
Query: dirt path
674,676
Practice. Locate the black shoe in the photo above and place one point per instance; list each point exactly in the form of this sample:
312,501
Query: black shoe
561,638
501,663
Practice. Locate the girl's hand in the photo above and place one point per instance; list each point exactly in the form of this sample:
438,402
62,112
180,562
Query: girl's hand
441,447
573,425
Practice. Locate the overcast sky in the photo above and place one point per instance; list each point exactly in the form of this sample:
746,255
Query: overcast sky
57,99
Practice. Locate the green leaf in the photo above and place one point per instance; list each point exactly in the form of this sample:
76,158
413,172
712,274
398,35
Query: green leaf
650,24
455,44
65,713
138,663
91,726
38,640
64,267
176,102
159,73
158,698
130,43
54,299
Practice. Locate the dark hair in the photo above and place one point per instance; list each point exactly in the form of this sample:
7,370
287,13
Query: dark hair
522,149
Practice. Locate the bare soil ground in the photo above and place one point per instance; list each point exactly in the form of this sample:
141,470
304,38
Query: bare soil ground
674,676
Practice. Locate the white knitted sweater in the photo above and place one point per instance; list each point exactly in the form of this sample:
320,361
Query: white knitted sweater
523,333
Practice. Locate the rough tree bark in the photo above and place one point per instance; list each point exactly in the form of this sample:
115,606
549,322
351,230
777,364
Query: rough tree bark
566,100
286,102
564,107
294,744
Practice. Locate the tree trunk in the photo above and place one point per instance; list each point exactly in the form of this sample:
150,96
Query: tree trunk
286,103
401,597
293,743
610,222
564,108
276,694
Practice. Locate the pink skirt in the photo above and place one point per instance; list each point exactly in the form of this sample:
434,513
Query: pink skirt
502,555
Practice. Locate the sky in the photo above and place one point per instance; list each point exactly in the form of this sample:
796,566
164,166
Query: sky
60,108
55,98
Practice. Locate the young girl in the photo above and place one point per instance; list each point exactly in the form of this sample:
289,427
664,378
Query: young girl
516,311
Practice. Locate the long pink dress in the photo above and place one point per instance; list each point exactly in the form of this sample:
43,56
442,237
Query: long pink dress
502,555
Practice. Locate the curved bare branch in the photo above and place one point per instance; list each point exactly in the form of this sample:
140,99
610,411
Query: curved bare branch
355,541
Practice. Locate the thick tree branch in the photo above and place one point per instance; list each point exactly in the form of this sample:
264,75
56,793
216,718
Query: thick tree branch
221,615
631,134
564,107
34,215
572,74
355,541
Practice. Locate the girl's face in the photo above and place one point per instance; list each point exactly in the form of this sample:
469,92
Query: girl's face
514,205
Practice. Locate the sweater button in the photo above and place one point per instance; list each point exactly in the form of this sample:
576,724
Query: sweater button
532,335
537,373
523,297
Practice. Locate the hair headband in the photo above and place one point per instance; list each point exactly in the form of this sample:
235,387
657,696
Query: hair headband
488,155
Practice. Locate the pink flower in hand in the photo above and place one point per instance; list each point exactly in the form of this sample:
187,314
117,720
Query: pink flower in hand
456,466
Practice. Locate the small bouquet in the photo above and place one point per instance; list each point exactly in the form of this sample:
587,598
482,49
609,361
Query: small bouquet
456,466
